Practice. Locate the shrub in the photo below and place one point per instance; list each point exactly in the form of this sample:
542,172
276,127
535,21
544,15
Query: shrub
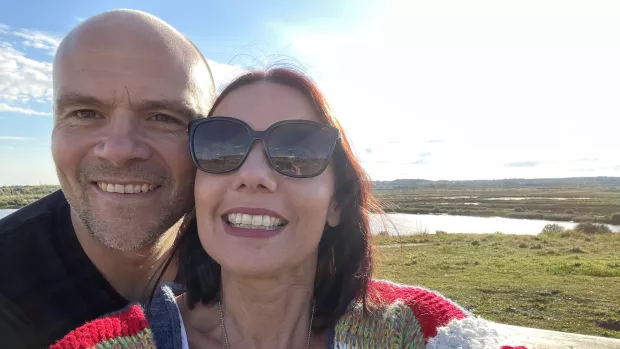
615,218
591,228
569,211
552,228
518,209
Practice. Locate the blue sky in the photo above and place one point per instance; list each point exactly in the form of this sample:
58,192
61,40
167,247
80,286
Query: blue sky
440,89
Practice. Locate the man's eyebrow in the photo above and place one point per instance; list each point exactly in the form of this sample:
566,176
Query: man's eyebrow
177,107
77,99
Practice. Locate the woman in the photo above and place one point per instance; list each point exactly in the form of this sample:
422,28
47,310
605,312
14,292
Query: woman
278,252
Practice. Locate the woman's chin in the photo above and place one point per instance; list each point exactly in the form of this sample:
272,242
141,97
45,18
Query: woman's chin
253,270
260,252
272,262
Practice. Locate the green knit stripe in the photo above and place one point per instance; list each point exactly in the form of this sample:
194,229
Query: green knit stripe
140,340
391,326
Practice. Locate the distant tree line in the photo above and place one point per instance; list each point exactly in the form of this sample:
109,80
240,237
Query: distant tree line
601,182
17,196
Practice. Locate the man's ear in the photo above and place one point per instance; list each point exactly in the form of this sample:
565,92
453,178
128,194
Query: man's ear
333,214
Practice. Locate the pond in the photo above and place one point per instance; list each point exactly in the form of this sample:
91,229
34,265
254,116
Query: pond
405,223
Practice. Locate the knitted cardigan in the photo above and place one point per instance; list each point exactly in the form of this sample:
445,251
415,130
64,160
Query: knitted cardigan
407,317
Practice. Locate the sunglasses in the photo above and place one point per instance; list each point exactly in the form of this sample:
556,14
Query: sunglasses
294,148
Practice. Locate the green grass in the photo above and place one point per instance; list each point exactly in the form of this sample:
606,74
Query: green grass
563,281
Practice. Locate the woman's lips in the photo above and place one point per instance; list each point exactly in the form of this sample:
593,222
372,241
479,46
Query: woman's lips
253,222
252,231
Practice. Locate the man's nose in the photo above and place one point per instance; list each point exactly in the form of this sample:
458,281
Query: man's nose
123,142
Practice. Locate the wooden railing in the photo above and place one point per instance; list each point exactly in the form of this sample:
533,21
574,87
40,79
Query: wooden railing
535,338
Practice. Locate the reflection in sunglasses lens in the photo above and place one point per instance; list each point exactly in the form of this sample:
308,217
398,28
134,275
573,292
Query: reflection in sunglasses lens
299,149
219,146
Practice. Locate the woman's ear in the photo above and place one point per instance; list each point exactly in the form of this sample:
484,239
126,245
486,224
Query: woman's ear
333,214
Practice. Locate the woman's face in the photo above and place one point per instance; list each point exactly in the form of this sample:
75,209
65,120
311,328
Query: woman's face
303,205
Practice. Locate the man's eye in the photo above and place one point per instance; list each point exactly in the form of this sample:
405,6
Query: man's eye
85,114
162,118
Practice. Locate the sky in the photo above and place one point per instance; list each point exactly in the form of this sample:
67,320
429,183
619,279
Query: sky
432,89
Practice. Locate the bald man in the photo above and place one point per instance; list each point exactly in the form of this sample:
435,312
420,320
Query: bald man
126,84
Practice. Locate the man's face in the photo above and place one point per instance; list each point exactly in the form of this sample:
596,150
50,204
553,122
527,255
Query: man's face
120,143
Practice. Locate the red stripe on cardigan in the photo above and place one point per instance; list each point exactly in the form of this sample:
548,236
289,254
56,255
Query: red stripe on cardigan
129,322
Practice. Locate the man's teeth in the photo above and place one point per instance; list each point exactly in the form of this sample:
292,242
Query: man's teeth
126,188
248,221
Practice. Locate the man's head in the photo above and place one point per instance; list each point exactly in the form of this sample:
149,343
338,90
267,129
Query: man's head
125,86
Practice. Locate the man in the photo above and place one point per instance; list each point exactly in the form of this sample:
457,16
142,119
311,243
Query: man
125,86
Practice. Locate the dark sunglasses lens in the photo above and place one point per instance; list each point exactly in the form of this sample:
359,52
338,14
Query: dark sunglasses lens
219,146
300,150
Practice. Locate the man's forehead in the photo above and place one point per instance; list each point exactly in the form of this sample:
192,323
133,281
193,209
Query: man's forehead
121,67
113,53
126,82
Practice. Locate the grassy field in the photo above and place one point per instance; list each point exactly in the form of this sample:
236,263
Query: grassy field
585,200
566,281
18,196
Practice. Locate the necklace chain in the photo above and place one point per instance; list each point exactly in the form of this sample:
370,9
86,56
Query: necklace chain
219,304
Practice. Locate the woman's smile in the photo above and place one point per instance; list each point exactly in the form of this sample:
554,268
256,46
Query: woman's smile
253,222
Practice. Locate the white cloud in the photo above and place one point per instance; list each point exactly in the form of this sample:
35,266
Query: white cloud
10,138
23,79
7,108
39,40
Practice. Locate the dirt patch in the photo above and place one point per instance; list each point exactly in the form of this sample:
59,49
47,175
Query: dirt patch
576,250
613,325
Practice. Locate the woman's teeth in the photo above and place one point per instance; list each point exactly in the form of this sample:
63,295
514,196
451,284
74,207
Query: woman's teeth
247,221
126,188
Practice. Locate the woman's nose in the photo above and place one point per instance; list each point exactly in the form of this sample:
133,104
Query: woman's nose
256,174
